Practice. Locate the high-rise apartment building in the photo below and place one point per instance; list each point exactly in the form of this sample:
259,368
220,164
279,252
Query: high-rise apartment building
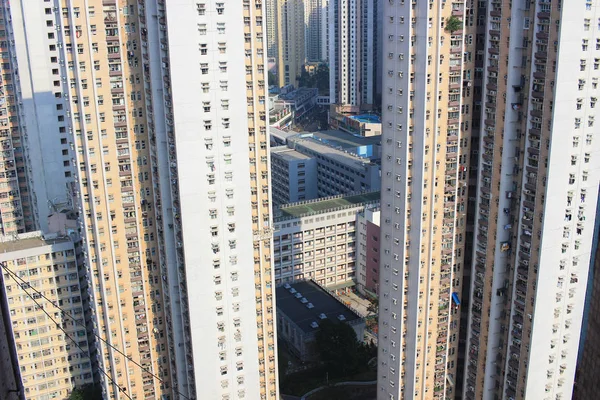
290,41
28,132
354,53
588,359
315,22
37,270
536,198
11,384
272,31
136,101
428,56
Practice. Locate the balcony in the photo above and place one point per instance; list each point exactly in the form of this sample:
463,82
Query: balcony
543,15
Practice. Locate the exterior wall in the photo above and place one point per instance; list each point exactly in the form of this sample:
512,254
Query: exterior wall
45,146
325,31
272,29
588,362
290,40
339,172
125,124
320,246
293,180
51,364
21,111
368,253
425,147
91,53
237,233
11,384
354,53
533,243
314,11
299,343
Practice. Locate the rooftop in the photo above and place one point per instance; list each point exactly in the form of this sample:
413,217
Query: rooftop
311,207
322,301
345,140
288,154
345,157
367,118
299,94
29,241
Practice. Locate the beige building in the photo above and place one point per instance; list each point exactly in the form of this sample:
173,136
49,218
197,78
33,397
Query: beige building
317,239
51,362
539,171
290,41
11,385
107,91
426,120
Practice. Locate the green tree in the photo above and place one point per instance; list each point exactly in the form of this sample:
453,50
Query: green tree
87,392
272,79
337,347
453,24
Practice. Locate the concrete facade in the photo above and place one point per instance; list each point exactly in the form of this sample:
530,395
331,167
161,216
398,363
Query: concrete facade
338,171
536,199
426,137
51,362
369,240
355,53
293,176
290,41
133,113
318,240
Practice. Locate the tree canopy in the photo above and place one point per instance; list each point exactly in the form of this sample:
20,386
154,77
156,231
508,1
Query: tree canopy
453,24
338,347
319,79
87,392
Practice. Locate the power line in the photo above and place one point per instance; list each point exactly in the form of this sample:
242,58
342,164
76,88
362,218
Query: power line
64,313
12,275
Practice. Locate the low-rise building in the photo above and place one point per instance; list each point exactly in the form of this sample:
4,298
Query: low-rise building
338,171
368,251
293,176
345,163
318,240
357,124
301,306
41,274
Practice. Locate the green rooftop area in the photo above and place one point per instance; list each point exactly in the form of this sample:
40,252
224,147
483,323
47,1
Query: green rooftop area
296,210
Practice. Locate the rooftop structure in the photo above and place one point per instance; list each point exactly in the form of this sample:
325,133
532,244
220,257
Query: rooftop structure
319,302
362,124
313,207
300,308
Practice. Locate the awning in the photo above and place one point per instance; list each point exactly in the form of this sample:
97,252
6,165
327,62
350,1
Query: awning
342,285
455,298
